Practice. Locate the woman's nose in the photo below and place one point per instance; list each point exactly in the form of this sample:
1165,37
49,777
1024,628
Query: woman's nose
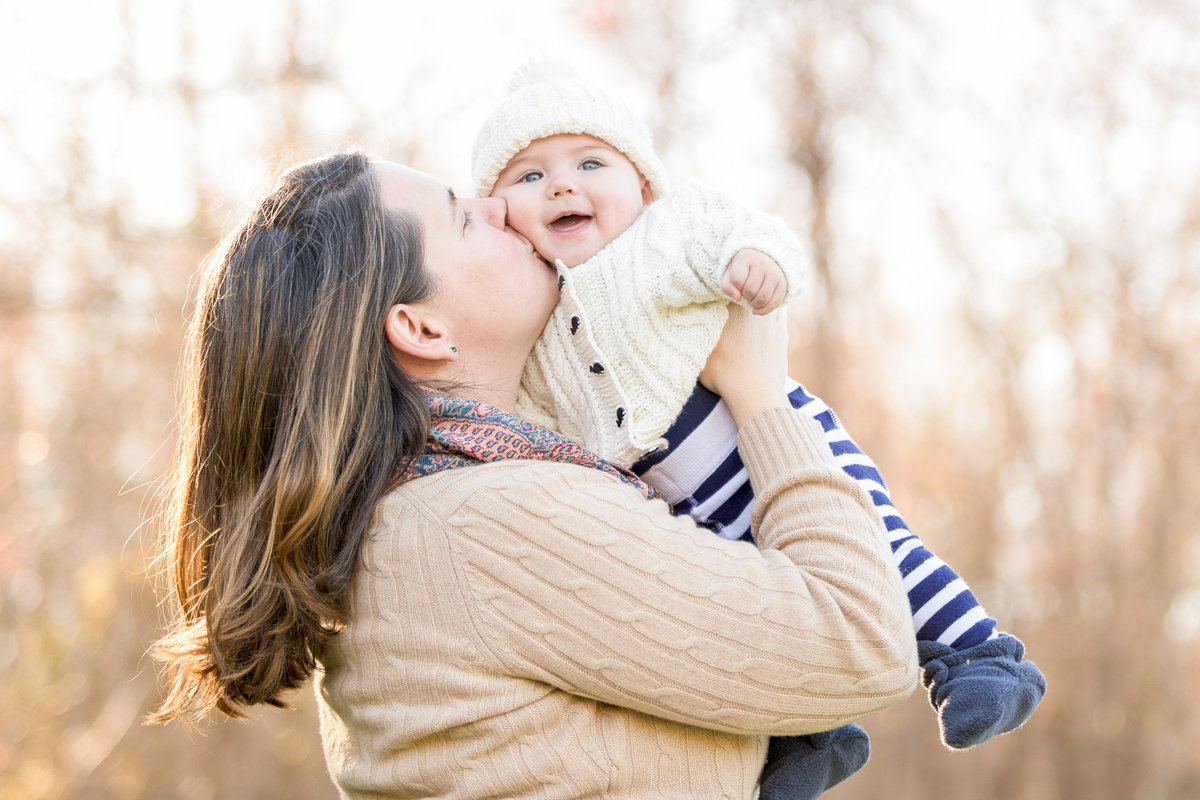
495,211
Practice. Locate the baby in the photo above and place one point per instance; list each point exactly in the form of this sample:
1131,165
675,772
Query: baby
646,276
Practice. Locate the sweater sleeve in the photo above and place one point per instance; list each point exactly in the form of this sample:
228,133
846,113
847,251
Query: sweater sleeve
713,228
579,583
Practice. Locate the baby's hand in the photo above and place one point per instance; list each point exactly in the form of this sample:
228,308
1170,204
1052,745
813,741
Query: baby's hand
755,277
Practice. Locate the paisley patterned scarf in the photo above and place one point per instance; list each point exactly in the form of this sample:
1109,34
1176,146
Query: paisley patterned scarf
465,432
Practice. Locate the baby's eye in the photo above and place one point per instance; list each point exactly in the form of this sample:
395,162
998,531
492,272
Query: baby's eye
591,163
530,177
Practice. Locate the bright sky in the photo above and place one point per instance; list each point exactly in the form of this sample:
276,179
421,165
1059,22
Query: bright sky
429,72
409,64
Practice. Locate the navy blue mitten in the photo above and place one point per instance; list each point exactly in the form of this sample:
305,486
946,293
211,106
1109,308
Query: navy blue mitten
982,691
802,767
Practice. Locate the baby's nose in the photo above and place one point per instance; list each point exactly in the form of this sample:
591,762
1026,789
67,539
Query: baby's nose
562,184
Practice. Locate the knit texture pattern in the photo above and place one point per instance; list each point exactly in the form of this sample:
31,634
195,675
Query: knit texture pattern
531,629
635,323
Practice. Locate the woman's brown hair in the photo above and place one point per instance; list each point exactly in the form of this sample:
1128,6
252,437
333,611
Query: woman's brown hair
295,421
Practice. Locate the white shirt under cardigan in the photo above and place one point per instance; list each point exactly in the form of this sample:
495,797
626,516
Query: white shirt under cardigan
636,322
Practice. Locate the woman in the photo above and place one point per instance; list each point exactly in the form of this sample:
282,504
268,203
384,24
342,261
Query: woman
494,611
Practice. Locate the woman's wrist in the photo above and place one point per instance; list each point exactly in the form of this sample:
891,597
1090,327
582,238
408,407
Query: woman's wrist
775,438
746,404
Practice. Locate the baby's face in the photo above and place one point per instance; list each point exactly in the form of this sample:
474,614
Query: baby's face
570,195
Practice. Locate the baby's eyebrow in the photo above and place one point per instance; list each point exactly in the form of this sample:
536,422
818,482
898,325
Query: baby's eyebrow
593,149
453,204
517,161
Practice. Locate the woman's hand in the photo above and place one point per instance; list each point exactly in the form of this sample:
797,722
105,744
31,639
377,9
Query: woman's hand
748,367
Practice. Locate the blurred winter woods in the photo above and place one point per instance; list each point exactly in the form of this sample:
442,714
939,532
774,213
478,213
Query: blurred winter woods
1003,204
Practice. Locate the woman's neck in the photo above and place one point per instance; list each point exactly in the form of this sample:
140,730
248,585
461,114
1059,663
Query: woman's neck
467,385
491,378
505,401
481,376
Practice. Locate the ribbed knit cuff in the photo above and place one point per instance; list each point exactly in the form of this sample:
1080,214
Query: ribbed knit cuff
779,440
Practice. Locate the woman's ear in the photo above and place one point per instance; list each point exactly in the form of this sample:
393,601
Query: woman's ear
416,333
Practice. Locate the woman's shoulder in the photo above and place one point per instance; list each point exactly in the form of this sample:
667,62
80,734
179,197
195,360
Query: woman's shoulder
470,509
443,494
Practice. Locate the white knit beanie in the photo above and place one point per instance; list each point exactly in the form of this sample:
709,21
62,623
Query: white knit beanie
545,107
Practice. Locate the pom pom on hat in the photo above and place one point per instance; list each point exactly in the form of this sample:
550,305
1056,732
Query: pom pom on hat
540,104
539,70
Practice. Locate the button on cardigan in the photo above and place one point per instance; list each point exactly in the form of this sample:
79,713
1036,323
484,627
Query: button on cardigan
636,322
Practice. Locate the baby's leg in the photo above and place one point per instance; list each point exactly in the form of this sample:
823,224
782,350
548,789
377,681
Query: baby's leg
976,676
943,607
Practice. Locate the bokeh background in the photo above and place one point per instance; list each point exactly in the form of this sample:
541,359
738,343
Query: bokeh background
1003,205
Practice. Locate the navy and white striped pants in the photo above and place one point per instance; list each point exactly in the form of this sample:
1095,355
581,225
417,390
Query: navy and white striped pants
701,475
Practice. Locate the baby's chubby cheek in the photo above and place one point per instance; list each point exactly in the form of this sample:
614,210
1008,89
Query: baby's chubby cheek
540,245
520,219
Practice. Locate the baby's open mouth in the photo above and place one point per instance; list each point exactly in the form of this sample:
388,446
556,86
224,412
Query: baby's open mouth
569,222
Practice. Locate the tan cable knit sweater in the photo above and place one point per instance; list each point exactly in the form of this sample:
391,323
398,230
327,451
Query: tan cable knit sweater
539,630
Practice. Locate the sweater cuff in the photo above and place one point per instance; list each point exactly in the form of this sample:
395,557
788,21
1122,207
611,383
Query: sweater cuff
777,440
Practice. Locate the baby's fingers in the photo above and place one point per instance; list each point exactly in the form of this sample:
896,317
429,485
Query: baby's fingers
770,299
733,279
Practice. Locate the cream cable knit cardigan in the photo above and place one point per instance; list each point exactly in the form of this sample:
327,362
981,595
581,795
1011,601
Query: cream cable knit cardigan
530,629
635,323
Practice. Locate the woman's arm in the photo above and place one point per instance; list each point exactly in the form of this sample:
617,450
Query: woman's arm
574,580
589,588
748,366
